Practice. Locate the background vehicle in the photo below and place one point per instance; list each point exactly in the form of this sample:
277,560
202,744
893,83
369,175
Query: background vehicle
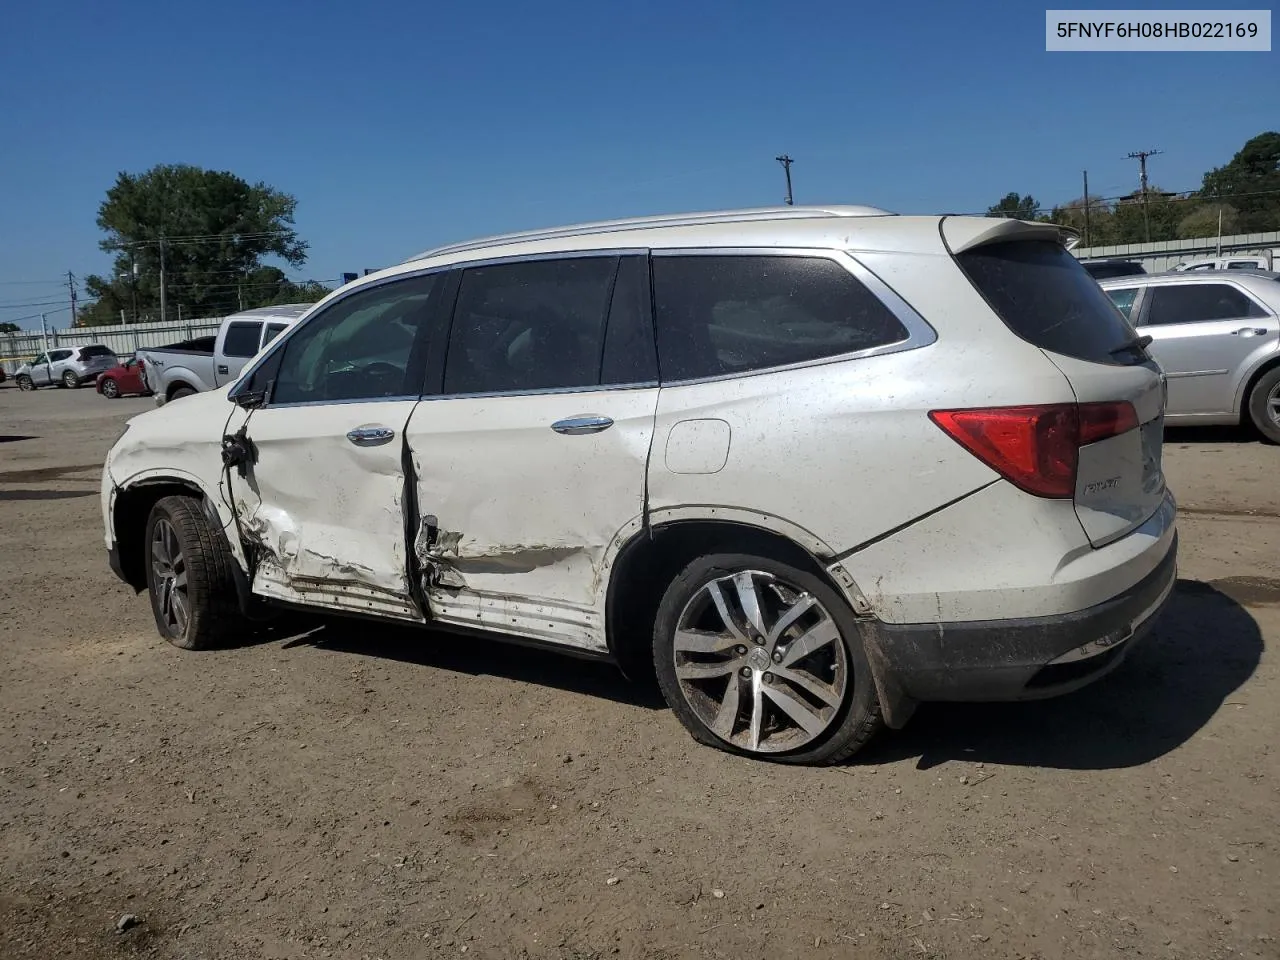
1263,261
810,488
1101,269
66,367
124,379
1217,338
205,363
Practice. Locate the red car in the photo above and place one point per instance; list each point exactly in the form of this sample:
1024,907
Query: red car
123,379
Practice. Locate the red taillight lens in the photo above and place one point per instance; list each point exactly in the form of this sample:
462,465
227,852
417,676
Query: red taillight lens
1036,447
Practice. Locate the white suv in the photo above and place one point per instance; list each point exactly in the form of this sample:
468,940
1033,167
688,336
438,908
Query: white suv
814,465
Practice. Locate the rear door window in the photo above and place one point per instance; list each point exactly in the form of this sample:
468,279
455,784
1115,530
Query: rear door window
273,330
57,355
1047,298
241,339
723,315
1200,303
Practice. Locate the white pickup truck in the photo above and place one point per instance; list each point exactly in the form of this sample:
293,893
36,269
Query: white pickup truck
206,363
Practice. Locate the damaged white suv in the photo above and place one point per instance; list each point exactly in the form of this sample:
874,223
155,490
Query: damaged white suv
814,465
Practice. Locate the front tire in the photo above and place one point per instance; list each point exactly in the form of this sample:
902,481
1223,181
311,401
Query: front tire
110,389
760,658
26,383
1264,405
189,576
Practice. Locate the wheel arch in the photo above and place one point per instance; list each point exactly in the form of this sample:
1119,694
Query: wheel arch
1265,367
177,385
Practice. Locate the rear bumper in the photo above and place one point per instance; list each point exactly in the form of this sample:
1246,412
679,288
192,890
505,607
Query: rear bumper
1022,659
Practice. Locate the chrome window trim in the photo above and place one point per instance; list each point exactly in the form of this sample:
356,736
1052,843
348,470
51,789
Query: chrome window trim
545,391
919,332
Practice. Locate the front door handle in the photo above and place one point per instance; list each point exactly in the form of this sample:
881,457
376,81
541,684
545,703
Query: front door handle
370,436
574,426
1250,332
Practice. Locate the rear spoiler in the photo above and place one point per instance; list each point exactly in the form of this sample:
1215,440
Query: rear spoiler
966,233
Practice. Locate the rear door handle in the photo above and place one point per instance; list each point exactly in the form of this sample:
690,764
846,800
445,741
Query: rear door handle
1250,332
574,426
370,436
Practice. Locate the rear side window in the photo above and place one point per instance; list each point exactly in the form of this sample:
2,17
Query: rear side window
242,339
1242,265
719,315
1199,303
1047,298
1124,299
529,326
57,355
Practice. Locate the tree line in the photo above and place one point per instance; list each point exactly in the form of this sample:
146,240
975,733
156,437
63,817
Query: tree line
208,233
1243,194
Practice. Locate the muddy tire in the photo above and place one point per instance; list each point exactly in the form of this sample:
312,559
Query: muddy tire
26,383
1264,405
189,577
762,659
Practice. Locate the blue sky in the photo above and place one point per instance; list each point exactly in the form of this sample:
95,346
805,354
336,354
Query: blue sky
399,125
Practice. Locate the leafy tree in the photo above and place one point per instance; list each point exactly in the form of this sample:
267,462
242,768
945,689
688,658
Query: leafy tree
1203,221
212,228
1016,206
1101,222
1251,183
1162,209
7,327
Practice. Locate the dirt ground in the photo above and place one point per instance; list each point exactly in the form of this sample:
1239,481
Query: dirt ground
354,792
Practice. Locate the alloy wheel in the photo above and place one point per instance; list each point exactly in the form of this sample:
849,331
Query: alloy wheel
169,579
761,662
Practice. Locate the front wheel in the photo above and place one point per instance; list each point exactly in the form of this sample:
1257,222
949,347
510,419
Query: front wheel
110,389
26,383
763,659
189,575
1264,405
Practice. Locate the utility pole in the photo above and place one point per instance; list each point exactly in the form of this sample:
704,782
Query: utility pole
1086,209
1141,157
71,286
786,162
163,300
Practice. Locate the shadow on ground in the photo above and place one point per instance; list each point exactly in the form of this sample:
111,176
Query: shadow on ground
1204,648
473,655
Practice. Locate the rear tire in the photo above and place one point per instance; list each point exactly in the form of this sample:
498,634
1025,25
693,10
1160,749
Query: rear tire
180,393
799,689
110,389
189,576
1264,405
26,383
70,381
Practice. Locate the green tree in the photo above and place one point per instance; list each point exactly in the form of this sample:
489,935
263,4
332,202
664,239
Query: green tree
1017,207
1203,221
1101,221
1162,209
1251,183
7,327
212,228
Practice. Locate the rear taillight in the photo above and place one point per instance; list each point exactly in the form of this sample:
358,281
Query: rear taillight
1036,447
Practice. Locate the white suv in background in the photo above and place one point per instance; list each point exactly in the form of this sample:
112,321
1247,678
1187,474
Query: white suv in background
814,465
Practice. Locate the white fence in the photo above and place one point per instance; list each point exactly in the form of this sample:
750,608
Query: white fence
1167,254
17,348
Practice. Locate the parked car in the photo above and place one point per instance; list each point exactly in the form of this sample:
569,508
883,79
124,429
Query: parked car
66,367
1102,269
1217,338
814,465
124,379
3,376
1263,261
205,363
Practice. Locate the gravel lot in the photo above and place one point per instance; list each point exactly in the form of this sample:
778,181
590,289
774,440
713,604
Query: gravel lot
357,792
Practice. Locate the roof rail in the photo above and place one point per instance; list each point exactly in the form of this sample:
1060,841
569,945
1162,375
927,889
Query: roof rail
669,220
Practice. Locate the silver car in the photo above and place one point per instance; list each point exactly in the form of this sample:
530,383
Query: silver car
66,367
1217,337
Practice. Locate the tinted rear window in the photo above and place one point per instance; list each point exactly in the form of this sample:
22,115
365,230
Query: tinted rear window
242,339
1047,298
88,353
